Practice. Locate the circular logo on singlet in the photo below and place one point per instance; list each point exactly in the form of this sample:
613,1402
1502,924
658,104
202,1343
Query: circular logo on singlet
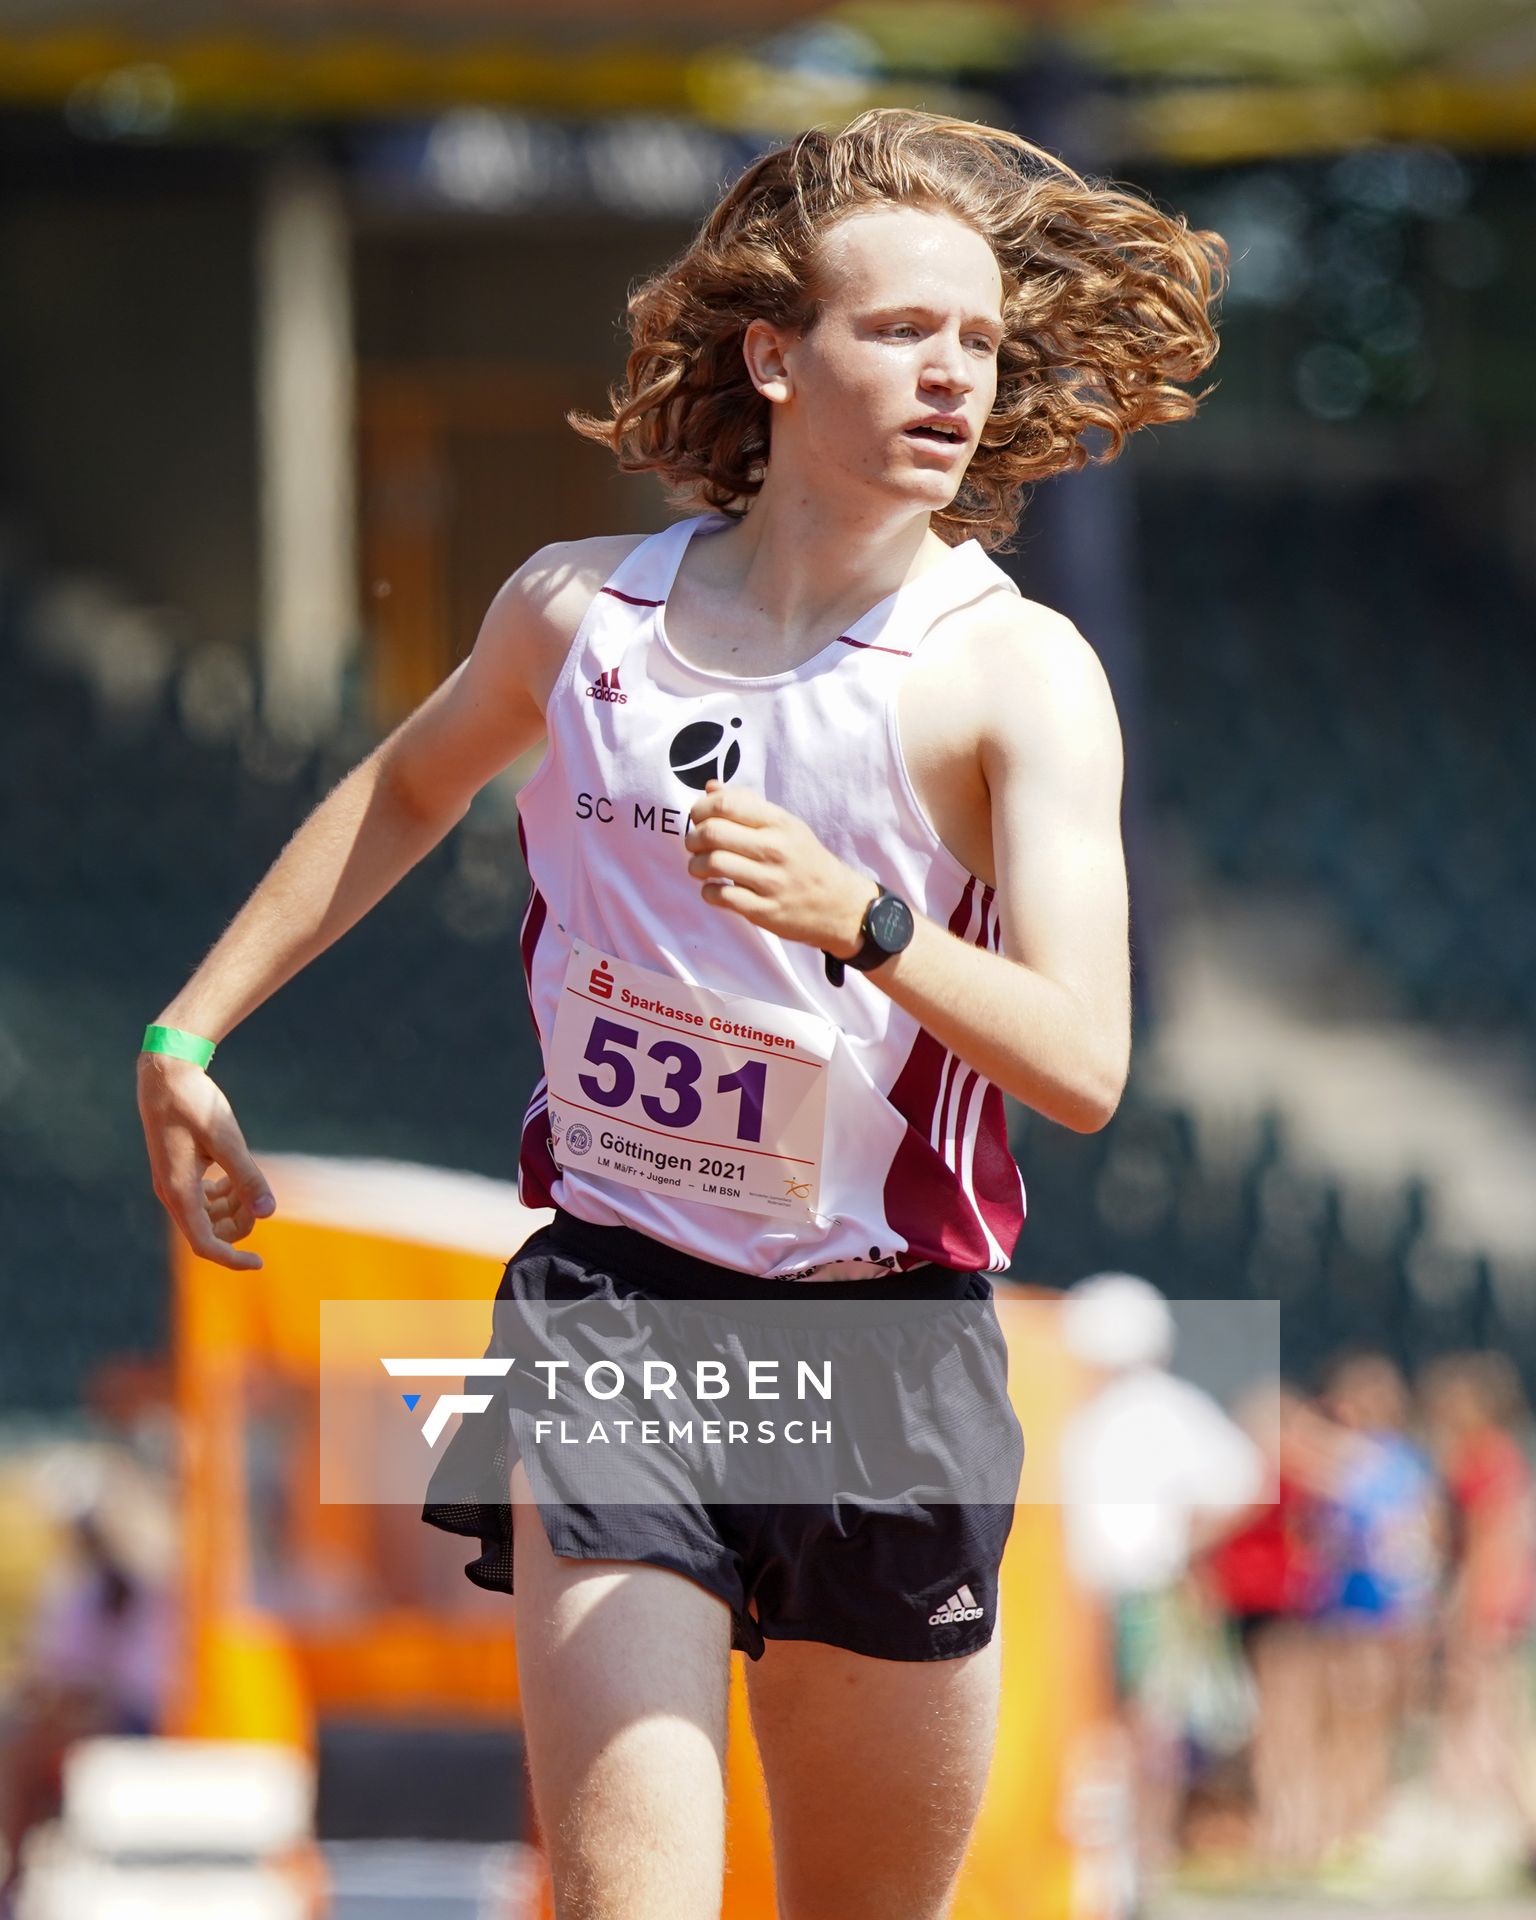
699,754
578,1139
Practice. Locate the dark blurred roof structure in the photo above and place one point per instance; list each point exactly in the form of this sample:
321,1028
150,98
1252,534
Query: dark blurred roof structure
1192,80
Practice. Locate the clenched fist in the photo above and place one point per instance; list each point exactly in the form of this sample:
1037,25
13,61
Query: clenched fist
191,1132
763,862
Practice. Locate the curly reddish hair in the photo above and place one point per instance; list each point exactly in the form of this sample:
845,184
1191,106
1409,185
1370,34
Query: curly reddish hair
1106,301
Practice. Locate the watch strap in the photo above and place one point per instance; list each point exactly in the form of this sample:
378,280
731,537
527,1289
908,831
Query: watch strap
870,953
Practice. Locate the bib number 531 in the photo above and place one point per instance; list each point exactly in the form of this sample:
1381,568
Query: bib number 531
676,1102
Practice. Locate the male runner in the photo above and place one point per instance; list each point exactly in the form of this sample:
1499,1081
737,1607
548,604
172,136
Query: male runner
814,761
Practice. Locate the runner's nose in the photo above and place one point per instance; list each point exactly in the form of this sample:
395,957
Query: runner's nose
948,367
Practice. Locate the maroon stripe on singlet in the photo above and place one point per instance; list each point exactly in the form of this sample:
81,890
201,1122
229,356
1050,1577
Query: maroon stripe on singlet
967,1093
537,1171
960,919
955,1069
533,926
995,1188
630,600
534,917
925,1201
869,647
996,1185
926,1076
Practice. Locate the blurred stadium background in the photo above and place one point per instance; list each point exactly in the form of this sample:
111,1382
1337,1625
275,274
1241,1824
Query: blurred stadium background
293,299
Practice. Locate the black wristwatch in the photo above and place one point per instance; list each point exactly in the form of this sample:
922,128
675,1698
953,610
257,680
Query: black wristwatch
886,928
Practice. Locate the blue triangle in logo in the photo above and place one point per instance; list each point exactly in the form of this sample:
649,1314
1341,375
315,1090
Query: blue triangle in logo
410,1400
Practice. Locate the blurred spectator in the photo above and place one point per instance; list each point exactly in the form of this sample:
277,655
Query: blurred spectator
1268,1574
1473,1405
99,1652
1153,1470
1378,1575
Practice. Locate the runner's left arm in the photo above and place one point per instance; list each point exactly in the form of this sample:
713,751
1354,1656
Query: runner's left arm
1048,1020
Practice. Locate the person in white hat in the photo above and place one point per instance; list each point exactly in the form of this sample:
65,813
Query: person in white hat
1152,1468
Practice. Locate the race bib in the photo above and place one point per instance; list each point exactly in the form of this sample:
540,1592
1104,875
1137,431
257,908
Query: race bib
679,1090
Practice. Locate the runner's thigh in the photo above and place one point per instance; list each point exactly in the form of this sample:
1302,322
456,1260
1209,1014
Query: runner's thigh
875,1772
624,1672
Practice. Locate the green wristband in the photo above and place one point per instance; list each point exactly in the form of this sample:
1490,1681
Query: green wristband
181,1046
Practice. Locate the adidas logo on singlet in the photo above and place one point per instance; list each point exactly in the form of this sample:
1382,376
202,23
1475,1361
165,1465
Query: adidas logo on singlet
959,1606
606,687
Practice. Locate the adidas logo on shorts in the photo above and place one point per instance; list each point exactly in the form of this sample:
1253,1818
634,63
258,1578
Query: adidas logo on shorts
959,1606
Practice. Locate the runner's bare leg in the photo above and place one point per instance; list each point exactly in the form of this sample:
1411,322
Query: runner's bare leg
625,1679
875,1772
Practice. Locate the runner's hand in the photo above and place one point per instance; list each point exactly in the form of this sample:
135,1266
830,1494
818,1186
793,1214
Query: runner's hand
763,862
191,1132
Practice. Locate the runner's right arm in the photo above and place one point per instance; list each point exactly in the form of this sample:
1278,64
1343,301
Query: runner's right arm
361,840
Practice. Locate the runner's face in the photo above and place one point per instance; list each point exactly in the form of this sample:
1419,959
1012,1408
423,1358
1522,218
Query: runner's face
910,325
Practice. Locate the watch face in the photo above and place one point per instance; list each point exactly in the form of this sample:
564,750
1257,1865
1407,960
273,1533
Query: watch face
890,923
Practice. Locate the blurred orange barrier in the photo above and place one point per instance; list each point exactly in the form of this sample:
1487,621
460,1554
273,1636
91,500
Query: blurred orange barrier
247,1355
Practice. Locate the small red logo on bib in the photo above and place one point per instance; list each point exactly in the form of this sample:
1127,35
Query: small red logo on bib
600,983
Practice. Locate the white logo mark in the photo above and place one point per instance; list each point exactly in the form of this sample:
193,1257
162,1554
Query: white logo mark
959,1606
447,1404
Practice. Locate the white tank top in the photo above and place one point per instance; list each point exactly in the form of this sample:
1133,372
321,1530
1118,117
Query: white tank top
704,1082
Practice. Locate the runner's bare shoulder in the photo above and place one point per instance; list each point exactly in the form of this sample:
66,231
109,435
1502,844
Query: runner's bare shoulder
552,591
490,709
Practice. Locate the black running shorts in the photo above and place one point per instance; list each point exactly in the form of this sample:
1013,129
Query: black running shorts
896,1579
